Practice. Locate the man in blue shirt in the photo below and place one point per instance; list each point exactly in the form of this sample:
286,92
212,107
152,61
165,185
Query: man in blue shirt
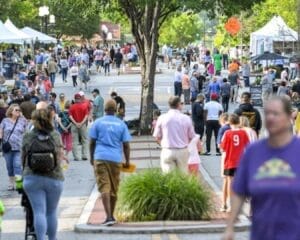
109,135
214,87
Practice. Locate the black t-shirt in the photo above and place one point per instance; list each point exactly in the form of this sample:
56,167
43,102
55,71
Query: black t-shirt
26,59
198,113
120,102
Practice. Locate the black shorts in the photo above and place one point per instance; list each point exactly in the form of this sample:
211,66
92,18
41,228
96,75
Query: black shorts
229,172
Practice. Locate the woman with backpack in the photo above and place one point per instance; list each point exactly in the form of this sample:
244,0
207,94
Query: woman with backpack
12,129
42,153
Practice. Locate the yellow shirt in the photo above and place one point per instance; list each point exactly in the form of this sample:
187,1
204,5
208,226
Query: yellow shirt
62,105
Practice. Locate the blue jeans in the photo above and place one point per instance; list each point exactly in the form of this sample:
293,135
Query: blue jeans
44,194
246,81
178,88
13,163
52,78
64,73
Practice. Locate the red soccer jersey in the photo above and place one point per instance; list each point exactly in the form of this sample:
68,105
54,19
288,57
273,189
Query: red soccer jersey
233,144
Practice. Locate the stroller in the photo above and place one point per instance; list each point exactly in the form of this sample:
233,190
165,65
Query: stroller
29,227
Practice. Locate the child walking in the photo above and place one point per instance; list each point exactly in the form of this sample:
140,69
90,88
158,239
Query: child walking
194,161
233,144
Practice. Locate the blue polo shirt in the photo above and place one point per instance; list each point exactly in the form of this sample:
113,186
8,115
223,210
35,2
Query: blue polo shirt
110,133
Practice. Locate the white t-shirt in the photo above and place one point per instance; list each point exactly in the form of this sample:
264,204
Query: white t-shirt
213,109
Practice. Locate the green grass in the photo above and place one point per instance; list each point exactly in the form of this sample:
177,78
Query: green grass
151,195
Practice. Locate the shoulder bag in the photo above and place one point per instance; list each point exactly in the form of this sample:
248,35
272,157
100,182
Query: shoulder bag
6,147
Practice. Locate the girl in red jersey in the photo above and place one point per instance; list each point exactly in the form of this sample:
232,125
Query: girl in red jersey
233,144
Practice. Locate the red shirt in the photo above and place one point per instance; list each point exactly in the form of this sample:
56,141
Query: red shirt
78,111
87,104
233,144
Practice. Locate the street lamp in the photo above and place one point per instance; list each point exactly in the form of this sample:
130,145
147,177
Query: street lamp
44,13
52,19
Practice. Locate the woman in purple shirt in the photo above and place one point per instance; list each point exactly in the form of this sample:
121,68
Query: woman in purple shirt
269,174
14,137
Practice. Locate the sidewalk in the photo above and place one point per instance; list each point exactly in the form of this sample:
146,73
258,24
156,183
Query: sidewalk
145,154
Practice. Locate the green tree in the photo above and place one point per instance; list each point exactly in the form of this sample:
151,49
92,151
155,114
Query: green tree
146,18
80,17
21,13
181,29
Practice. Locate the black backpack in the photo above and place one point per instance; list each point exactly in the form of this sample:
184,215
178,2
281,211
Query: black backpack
42,155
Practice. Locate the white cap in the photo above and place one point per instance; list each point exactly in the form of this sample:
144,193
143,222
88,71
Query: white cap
81,93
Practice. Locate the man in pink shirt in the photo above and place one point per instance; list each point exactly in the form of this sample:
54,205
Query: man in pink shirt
174,131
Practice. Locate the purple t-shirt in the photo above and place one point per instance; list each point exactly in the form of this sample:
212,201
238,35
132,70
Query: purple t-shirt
16,137
271,177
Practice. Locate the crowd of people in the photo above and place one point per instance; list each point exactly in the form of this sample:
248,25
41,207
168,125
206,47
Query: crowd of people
75,64
25,118
264,171
35,111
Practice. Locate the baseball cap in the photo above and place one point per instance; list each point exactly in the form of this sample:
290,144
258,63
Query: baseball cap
81,93
214,96
77,96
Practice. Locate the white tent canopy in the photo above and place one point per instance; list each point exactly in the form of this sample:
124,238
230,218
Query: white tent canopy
8,36
11,27
38,36
276,30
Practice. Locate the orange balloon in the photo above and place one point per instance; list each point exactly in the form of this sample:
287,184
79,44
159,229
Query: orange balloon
233,26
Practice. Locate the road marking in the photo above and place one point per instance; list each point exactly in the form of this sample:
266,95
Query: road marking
156,237
173,237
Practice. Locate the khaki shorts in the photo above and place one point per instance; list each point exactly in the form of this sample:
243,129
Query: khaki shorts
107,176
171,159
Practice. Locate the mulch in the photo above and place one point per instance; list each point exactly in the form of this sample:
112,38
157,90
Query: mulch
216,217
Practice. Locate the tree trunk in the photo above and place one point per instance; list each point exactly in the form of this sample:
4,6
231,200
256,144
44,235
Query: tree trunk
148,67
145,29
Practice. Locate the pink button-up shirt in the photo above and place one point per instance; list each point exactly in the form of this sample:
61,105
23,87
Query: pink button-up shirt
174,129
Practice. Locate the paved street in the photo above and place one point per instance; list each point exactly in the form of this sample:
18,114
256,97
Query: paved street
79,177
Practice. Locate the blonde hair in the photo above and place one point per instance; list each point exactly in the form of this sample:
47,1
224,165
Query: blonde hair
11,109
244,121
224,118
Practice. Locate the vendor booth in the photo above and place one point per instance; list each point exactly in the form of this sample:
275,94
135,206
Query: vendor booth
275,36
38,36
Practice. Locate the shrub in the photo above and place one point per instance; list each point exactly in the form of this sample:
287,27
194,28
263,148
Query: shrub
151,195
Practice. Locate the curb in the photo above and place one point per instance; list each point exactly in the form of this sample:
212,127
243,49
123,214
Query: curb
159,226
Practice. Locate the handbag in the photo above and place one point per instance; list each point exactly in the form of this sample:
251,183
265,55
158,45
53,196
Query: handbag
6,146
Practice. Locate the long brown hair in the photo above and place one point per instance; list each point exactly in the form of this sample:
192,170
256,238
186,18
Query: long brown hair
42,120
